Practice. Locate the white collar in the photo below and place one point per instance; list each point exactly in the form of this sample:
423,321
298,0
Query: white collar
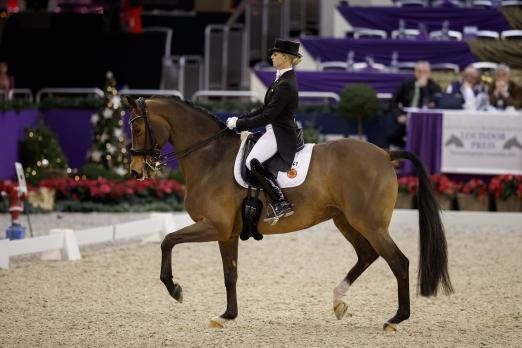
281,72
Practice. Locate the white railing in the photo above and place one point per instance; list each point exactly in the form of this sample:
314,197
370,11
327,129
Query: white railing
91,91
64,243
320,95
151,92
224,93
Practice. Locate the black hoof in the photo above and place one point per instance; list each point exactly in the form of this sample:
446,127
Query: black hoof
174,289
177,293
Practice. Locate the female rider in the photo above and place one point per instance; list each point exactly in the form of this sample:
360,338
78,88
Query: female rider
277,114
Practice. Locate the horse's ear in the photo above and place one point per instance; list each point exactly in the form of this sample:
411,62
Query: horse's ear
130,102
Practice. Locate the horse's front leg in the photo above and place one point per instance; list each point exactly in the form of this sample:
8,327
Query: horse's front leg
201,231
228,251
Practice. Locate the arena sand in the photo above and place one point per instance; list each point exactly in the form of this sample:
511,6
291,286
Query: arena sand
113,296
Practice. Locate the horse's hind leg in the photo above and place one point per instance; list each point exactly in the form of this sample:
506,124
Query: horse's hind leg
366,256
381,241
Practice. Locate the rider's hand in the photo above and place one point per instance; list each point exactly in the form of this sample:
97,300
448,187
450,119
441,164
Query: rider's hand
231,122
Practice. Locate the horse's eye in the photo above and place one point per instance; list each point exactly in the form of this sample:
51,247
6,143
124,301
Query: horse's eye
136,131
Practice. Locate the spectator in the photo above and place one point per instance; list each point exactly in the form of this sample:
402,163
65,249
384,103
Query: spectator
472,92
504,92
418,93
6,81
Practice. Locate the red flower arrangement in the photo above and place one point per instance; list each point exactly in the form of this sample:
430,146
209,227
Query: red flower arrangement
505,186
105,190
408,184
443,185
475,187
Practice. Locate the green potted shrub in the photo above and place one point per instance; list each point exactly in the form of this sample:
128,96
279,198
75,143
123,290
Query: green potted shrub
358,103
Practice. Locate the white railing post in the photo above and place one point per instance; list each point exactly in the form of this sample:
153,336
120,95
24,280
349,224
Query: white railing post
4,253
69,251
168,226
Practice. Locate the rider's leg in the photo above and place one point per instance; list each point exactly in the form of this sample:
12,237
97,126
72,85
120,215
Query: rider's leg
265,148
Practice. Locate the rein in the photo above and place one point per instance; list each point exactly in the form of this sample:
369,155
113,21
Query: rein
153,149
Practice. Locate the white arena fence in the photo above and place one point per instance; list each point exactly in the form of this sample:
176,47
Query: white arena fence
63,244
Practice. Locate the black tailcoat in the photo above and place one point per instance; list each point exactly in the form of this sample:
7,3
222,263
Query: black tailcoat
281,101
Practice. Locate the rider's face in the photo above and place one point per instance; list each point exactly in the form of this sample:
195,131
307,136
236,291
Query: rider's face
278,59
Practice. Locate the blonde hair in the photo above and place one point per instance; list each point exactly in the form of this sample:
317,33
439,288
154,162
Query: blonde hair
294,60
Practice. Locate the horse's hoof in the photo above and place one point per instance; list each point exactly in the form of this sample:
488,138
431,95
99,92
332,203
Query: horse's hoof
340,310
389,327
216,323
177,293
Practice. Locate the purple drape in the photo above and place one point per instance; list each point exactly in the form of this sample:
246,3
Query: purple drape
74,130
329,49
387,18
424,140
12,125
335,81
72,127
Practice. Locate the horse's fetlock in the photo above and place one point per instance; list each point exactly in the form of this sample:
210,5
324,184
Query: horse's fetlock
229,315
166,278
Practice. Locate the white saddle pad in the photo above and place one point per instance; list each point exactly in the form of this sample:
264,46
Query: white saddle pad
294,177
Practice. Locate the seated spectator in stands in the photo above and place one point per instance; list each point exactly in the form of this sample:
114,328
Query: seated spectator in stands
419,92
505,93
6,81
473,93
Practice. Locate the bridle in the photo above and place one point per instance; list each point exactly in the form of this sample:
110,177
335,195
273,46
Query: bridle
153,149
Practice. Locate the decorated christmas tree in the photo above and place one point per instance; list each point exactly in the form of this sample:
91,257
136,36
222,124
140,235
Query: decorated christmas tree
41,155
108,146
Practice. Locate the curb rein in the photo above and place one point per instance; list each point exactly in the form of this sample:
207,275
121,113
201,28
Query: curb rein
153,149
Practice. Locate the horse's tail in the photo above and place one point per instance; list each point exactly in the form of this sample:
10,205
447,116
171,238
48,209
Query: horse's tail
433,259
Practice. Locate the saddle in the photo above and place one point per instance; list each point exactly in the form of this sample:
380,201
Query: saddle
252,206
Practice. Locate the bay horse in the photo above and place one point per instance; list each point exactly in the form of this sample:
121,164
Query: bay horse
350,181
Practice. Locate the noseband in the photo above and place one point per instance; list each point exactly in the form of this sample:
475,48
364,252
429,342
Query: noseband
153,149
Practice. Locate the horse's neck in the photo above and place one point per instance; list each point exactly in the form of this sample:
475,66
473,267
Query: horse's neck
202,162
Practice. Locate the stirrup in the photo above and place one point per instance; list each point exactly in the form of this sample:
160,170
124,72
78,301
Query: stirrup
273,216
272,220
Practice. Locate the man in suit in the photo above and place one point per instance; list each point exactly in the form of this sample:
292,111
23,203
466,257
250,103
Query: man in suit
277,115
419,92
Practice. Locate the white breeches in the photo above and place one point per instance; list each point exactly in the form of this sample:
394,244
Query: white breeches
265,147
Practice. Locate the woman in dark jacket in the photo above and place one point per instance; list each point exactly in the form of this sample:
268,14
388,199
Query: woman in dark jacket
277,114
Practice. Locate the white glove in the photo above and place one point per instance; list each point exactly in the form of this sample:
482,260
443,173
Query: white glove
231,122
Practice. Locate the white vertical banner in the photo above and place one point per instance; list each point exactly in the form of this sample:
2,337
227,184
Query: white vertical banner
21,177
478,142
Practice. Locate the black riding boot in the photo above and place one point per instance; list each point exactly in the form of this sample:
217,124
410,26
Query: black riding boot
281,207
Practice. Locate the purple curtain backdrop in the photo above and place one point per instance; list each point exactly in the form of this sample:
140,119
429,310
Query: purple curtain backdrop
387,18
424,139
329,49
12,126
335,81
74,130
72,127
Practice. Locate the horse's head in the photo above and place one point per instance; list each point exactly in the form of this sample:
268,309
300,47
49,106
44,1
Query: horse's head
149,132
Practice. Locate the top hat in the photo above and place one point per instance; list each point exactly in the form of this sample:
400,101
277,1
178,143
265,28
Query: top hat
286,46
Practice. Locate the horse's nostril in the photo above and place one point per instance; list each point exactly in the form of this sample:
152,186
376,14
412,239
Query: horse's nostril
134,174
